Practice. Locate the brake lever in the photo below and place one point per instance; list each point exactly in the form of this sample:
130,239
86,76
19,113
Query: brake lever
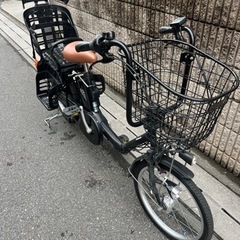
103,47
107,58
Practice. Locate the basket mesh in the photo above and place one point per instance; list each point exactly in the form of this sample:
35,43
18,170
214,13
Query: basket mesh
178,92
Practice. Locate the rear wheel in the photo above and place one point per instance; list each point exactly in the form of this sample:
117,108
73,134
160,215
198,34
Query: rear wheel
94,136
183,212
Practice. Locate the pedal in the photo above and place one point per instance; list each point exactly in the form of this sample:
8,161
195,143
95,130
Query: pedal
124,138
71,113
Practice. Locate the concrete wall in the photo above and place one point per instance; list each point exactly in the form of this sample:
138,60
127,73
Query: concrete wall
216,24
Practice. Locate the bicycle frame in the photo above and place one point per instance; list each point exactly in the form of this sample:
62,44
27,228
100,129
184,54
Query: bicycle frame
152,156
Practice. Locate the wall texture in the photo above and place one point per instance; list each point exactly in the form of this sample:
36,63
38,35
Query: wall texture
216,24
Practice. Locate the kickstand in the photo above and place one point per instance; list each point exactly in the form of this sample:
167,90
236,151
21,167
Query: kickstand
49,119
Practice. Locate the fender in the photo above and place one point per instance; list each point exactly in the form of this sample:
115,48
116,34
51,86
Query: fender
180,170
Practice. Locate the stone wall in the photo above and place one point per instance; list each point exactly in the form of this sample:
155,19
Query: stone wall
216,24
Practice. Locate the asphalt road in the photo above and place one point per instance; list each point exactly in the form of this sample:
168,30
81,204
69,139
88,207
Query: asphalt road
54,183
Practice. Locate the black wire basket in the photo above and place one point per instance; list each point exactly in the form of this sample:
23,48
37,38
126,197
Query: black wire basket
177,91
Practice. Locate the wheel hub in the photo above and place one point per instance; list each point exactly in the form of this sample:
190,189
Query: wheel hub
168,204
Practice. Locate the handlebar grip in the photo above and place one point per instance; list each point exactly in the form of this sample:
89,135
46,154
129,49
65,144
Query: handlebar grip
174,27
166,30
83,46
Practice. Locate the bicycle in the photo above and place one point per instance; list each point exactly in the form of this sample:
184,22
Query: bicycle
174,90
176,117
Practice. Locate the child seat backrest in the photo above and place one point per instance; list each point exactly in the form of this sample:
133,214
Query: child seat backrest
34,2
48,24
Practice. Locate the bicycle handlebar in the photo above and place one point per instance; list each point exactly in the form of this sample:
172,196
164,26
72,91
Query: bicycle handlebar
102,43
176,27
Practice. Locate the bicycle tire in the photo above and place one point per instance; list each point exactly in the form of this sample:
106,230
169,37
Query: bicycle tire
174,220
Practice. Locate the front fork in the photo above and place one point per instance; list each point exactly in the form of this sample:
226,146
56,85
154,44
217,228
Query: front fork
152,178
158,164
166,201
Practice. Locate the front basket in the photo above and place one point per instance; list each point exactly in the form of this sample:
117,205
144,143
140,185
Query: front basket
177,91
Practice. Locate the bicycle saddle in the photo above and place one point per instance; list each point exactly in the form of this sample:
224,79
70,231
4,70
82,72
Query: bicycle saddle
71,55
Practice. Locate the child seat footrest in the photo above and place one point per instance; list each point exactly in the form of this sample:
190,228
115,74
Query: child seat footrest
47,88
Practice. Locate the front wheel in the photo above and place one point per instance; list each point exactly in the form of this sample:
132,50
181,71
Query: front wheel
182,213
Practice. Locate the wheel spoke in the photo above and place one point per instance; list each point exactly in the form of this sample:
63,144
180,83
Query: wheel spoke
186,222
179,223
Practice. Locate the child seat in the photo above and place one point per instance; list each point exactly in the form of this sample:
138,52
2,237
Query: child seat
51,27
48,24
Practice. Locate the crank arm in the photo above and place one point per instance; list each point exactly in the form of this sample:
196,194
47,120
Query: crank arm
88,129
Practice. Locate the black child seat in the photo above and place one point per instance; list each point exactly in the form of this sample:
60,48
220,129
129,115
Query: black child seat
47,24
51,27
